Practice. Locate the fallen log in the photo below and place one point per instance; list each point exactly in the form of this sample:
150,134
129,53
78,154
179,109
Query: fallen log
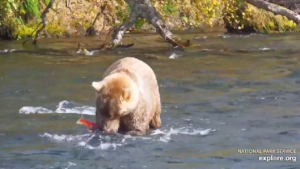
145,9
276,9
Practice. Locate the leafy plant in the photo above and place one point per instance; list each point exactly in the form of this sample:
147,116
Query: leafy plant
139,23
169,7
31,7
47,2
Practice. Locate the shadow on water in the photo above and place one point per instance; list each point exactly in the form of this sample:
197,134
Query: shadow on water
231,92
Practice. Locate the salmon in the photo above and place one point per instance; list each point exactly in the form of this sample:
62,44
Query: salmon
91,126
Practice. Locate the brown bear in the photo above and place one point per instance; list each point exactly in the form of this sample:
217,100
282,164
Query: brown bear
128,98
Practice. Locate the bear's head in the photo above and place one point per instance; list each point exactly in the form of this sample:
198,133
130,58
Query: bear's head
117,96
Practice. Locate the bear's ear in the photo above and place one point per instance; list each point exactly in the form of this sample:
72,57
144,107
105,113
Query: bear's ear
97,85
126,94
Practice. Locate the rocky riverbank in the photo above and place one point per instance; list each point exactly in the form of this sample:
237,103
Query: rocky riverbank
74,18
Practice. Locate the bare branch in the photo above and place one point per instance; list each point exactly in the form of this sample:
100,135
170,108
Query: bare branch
146,10
32,33
44,21
91,29
67,2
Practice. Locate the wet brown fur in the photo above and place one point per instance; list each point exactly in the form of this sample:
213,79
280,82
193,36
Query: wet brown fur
114,89
146,113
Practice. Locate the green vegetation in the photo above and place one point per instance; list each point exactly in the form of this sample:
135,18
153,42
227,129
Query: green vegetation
19,18
16,16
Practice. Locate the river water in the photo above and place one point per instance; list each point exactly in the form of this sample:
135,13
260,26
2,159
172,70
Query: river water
231,92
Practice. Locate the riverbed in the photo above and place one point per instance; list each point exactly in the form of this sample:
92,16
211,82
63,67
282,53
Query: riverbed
228,92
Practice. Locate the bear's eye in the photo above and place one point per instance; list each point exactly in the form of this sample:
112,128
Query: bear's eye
104,108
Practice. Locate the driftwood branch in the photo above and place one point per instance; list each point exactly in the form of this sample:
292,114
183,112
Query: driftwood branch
146,10
293,5
276,9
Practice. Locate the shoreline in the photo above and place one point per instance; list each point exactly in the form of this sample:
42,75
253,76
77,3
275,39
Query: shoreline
201,30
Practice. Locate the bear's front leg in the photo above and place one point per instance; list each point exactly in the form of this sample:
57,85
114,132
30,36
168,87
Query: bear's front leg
138,129
135,133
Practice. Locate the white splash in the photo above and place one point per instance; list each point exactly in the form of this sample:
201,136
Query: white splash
106,142
186,119
207,49
166,135
30,109
80,140
156,136
263,49
70,164
90,53
174,56
7,50
225,36
63,107
86,52
68,107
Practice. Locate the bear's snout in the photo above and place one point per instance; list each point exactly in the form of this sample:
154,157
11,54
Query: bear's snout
110,126
109,131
